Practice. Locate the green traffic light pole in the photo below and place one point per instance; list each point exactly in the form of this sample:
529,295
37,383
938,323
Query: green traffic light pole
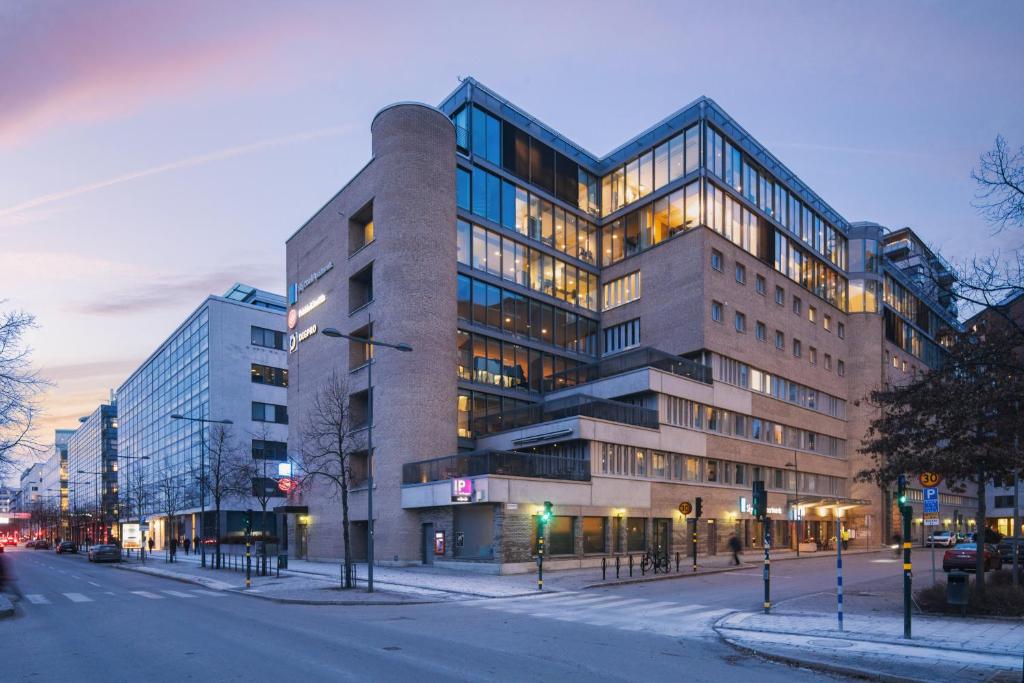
906,511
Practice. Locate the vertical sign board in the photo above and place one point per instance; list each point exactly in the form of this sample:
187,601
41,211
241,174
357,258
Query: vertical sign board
931,507
439,543
462,490
132,536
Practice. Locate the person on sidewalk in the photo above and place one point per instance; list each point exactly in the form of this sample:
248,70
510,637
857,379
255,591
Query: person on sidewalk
188,545
151,544
846,538
734,548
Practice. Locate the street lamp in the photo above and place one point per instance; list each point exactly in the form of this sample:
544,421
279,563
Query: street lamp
796,498
202,477
371,343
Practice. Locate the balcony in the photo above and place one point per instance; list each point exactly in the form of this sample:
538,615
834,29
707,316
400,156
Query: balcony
505,463
577,405
646,357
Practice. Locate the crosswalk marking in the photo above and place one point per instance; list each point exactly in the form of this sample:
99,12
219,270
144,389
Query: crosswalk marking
212,594
660,617
77,597
37,599
147,594
178,594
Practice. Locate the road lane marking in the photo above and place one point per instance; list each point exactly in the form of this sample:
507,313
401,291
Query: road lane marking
147,594
212,594
178,594
36,599
95,584
77,597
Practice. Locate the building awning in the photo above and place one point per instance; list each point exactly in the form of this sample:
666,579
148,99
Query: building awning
831,503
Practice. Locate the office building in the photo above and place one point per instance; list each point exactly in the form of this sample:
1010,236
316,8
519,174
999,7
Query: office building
92,467
225,361
617,335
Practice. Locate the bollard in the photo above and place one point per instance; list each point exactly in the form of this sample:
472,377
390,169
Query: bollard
677,562
617,558
643,567
603,560
631,565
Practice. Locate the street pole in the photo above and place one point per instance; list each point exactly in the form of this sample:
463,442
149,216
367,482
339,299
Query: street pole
767,564
202,494
796,494
1015,535
907,576
839,569
540,557
694,547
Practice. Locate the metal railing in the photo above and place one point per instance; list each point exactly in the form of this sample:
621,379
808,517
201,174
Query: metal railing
580,405
646,357
508,463
654,561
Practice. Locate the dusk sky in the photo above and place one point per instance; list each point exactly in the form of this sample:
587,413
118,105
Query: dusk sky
154,153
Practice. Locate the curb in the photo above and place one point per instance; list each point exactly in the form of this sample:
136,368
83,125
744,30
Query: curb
816,665
665,577
196,581
344,603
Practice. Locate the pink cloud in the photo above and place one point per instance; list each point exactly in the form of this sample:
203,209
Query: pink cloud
83,62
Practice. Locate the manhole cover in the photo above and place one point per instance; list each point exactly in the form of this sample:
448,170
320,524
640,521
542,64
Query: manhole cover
830,643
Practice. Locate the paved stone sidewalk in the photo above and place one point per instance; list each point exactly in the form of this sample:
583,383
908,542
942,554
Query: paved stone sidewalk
942,649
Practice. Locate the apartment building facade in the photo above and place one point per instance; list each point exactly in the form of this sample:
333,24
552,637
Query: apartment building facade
93,468
617,335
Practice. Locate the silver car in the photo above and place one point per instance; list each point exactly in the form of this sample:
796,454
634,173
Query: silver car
944,539
105,553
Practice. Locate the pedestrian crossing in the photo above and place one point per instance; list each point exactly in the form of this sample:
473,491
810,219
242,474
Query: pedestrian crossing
79,598
664,618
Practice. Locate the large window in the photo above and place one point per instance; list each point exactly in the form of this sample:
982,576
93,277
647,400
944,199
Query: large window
652,170
594,529
265,374
484,360
268,412
269,450
562,536
622,336
270,339
652,224
490,252
505,310
621,290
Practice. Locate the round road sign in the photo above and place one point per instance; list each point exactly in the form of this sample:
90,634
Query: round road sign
685,507
929,479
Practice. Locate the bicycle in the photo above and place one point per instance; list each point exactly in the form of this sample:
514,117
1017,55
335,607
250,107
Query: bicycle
654,560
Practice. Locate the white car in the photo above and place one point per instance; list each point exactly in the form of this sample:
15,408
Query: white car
944,539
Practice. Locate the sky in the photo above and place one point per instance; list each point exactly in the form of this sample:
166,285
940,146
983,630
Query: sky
154,153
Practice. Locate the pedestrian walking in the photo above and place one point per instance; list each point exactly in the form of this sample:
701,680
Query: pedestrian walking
151,544
734,548
186,543
174,548
846,538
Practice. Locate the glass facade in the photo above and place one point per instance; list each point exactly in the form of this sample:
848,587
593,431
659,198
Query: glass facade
175,380
93,467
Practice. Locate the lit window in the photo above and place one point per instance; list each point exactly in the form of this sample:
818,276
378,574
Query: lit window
826,322
812,355
812,314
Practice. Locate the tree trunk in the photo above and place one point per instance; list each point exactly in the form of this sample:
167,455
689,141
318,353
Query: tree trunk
979,537
347,541
216,527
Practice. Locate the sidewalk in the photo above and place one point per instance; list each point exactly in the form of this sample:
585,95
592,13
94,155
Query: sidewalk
947,649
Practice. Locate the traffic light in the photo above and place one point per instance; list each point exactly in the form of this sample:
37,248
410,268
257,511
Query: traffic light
901,490
698,507
759,502
247,518
546,516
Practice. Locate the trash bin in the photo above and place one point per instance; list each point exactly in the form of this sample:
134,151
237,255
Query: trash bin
282,560
957,584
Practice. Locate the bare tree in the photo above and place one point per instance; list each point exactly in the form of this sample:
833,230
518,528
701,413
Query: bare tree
1000,179
171,498
226,475
264,487
19,387
326,450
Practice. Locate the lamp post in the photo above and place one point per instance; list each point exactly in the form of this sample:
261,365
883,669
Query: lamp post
96,489
371,343
202,477
796,499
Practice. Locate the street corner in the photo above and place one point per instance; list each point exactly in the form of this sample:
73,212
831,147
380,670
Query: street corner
212,584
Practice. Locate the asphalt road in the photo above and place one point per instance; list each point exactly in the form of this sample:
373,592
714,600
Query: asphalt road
83,622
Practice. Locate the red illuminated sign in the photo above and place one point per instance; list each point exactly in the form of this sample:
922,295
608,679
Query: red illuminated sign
287,485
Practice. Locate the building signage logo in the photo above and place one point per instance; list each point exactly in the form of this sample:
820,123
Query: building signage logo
293,319
297,288
462,490
303,310
297,337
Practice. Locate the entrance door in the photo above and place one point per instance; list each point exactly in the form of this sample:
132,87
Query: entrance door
661,535
428,543
301,540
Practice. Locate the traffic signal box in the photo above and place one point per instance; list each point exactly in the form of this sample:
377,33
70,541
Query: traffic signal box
759,500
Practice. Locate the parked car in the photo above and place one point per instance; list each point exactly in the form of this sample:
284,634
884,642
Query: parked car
963,555
106,552
944,539
42,544
1005,548
66,547
30,543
